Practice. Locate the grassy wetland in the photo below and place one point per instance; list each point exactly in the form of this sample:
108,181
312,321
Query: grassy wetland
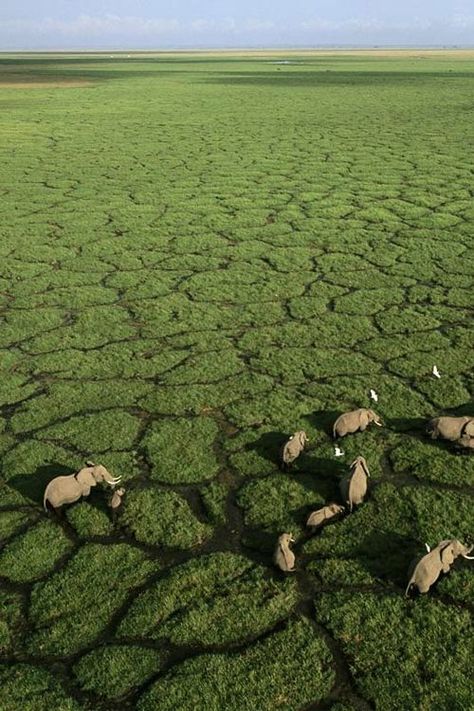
199,256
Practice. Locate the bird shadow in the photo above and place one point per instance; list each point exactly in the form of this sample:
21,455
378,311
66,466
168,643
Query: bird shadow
32,486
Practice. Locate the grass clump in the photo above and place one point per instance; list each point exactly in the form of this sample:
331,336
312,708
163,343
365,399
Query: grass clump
11,521
181,450
28,688
88,520
184,586
11,619
406,665
97,432
163,518
97,578
35,553
289,669
114,670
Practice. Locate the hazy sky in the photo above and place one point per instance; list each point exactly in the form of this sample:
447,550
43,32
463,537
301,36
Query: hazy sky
229,23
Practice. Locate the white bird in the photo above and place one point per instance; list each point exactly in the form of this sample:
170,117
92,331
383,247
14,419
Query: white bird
338,452
435,372
374,395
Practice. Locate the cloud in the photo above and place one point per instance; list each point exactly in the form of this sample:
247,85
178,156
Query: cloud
130,30
88,25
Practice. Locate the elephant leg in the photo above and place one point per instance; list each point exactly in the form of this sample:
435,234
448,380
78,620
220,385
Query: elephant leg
423,587
362,428
86,490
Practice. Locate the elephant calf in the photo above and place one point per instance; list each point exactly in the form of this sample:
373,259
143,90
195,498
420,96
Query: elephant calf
116,499
451,428
67,489
283,557
354,487
293,448
355,421
317,518
428,569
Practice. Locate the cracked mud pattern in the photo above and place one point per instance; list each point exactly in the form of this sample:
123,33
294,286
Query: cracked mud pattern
200,256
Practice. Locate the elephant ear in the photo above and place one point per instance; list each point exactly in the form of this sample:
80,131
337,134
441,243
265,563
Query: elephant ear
447,555
364,418
86,477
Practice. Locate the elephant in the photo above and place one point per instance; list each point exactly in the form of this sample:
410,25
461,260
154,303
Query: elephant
428,569
116,499
466,442
317,518
354,486
354,421
283,557
67,489
293,448
451,428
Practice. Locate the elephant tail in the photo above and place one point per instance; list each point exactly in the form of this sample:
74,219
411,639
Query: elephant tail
410,584
45,500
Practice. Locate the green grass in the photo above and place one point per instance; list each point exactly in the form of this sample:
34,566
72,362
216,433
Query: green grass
200,255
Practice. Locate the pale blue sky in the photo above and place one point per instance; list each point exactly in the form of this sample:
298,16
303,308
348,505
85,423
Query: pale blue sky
76,24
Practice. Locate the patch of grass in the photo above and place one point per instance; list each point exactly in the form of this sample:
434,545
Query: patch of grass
96,432
181,450
113,671
214,600
405,667
214,496
162,518
11,615
10,521
89,520
279,503
289,669
432,461
35,553
175,309
99,579
28,688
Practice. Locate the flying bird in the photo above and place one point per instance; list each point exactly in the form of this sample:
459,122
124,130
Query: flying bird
374,395
338,452
435,372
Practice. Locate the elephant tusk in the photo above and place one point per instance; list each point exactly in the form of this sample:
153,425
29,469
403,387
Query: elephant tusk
469,557
379,424
427,548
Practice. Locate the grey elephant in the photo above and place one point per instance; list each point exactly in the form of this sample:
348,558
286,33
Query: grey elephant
293,448
440,559
283,557
317,518
67,489
451,428
354,486
355,421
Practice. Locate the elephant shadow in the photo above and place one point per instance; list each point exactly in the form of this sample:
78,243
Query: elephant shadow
32,486
269,446
413,425
324,479
323,420
388,555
